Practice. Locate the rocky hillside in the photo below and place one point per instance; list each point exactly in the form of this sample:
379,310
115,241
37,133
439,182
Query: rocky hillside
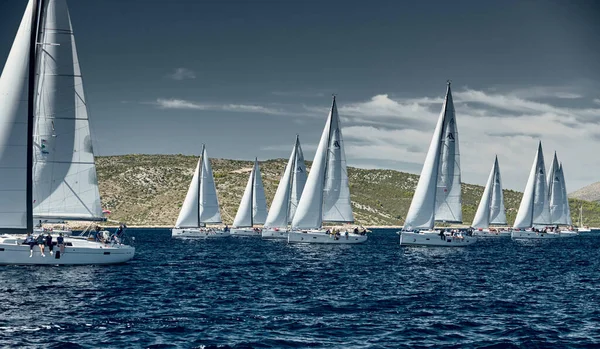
588,193
149,190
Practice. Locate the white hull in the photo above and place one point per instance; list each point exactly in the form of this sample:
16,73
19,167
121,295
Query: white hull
584,230
519,234
197,233
491,234
568,233
321,237
77,251
245,232
274,234
433,238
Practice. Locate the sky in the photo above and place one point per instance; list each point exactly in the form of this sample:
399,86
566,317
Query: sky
244,77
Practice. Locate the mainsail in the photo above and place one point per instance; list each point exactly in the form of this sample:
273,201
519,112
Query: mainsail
326,196
65,182
201,204
14,122
289,190
253,207
491,207
438,193
556,197
534,208
567,208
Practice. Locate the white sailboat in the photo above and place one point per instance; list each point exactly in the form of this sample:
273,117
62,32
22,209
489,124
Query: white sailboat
287,196
491,210
46,158
326,195
253,207
560,214
582,228
201,205
438,193
534,210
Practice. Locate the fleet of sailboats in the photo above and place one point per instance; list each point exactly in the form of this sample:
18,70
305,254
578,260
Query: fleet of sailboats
47,162
287,196
253,207
201,205
437,197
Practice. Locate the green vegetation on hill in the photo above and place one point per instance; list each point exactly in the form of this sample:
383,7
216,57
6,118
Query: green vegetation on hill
149,190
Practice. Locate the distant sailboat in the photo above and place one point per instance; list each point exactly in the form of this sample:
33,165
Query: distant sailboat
326,195
534,209
438,193
253,207
582,228
201,205
491,209
287,196
47,163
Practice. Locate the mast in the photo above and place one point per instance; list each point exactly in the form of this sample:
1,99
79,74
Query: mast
327,156
200,184
439,149
252,202
295,165
35,25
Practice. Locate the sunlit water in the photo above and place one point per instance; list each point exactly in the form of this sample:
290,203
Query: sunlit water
251,293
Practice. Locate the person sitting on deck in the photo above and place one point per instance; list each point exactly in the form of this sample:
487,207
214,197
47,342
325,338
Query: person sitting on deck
356,230
226,229
29,240
40,242
60,241
49,243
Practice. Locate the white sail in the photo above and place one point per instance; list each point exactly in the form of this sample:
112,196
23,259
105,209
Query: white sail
534,209
337,206
566,207
555,194
298,180
259,202
278,214
425,206
497,209
326,195
209,202
65,182
491,207
13,129
253,207
188,215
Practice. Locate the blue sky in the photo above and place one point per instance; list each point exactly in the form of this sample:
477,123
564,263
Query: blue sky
245,76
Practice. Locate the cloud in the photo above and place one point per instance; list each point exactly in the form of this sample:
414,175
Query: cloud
547,92
182,74
597,100
307,94
241,108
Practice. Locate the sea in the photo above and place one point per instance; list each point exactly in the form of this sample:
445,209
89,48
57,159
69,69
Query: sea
250,293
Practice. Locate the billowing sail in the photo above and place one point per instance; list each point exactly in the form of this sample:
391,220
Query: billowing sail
556,197
298,181
188,215
253,207
566,207
209,202
289,190
534,209
337,206
326,195
259,202
65,183
437,196
13,130
491,207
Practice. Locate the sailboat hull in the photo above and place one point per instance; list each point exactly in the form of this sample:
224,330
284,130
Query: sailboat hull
487,233
433,238
245,232
584,230
279,233
322,237
528,234
198,233
79,251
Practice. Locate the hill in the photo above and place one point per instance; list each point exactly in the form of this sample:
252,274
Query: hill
149,190
588,193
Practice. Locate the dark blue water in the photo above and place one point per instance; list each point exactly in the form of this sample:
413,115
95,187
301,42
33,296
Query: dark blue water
250,293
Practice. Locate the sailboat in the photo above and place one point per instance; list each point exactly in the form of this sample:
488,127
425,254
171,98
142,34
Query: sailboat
287,196
253,207
326,195
200,206
438,193
491,209
534,210
560,214
47,162
582,228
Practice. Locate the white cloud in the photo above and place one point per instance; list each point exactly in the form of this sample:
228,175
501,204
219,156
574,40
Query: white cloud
545,92
241,108
182,74
597,100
